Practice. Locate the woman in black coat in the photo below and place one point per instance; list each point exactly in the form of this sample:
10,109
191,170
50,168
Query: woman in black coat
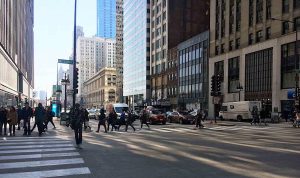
102,120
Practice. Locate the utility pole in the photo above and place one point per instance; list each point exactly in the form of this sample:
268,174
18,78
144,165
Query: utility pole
74,57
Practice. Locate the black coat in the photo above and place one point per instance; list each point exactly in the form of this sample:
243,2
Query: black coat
3,115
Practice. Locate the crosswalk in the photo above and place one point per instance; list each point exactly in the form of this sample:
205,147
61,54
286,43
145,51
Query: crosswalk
35,157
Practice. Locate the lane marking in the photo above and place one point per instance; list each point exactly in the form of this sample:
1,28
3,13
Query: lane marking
30,143
38,150
27,164
33,156
51,173
35,146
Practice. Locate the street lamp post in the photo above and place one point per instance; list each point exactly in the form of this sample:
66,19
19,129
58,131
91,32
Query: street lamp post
239,88
65,82
296,53
74,55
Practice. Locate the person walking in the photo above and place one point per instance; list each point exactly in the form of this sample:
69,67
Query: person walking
199,118
77,119
144,118
102,120
49,118
3,120
255,116
129,121
12,119
26,114
112,119
263,115
86,119
40,115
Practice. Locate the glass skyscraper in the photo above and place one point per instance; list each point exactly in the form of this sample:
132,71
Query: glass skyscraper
136,51
106,18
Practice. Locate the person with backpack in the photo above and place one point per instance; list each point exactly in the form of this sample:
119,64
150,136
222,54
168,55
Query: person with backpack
102,120
26,114
76,122
40,115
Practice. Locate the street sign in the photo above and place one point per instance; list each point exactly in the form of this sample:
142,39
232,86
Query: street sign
291,94
70,92
65,61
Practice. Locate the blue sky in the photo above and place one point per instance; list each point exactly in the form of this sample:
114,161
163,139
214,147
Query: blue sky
53,34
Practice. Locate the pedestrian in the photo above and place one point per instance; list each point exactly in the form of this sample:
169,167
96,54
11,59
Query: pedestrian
102,120
122,120
86,119
49,118
40,115
77,119
112,118
255,116
3,120
26,114
198,119
19,112
263,115
129,121
144,118
12,119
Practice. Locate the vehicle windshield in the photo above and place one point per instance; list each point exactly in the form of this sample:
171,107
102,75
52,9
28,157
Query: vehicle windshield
156,112
120,109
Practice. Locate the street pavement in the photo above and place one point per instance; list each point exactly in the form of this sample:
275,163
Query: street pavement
226,149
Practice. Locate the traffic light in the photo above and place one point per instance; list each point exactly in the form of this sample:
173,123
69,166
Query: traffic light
213,85
218,85
75,80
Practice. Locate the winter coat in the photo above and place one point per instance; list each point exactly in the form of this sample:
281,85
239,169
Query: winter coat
26,113
3,115
40,114
12,117
76,118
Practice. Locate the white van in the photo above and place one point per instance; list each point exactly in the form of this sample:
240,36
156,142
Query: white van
238,110
118,108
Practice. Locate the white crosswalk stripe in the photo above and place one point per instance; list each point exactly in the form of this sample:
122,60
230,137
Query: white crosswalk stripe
35,157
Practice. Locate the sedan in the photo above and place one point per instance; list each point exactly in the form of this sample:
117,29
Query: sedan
181,117
156,116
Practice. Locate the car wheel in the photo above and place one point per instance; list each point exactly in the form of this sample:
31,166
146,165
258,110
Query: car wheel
239,118
170,119
164,122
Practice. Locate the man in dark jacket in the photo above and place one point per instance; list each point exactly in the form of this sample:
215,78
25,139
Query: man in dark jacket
3,120
144,118
76,121
49,118
19,111
27,113
102,119
199,118
129,121
40,115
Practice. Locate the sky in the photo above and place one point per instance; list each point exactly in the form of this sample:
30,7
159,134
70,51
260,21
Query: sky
53,35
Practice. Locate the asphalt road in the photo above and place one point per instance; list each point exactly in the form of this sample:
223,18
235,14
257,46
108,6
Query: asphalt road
228,149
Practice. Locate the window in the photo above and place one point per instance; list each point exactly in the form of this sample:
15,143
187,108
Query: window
237,43
250,39
164,27
164,15
233,74
285,27
268,10
285,6
259,11
219,69
268,33
222,48
250,13
217,50
296,4
297,24
238,15
259,36
230,45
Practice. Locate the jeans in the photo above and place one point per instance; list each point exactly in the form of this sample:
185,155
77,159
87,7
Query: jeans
27,127
78,134
3,123
12,128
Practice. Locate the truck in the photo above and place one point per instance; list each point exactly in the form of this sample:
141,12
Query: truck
238,110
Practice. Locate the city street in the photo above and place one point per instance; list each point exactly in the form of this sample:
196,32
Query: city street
228,149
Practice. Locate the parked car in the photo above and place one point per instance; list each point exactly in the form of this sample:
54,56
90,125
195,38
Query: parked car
157,116
182,117
92,114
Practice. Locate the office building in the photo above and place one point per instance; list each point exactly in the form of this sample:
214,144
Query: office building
136,86
106,18
100,89
119,49
16,52
172,22
93,54
193,72
252,49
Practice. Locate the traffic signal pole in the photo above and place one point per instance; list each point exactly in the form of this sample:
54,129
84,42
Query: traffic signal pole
74,56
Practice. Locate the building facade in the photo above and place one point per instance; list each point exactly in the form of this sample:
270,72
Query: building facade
252,44
16,51
119,49
106,18
136,86
93,54
172,22
101,88
193,72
